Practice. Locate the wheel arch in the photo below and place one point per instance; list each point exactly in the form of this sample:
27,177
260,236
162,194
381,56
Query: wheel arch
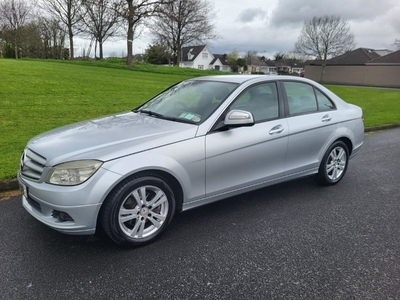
347,142
170,179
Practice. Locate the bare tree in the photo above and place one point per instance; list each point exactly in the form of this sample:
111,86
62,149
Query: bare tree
397,43
53,36
297,56
13,17
102,19
279,56
325,37
135,12
184,22
251,53
68,12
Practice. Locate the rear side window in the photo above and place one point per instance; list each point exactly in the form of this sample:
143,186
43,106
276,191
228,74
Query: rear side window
303,98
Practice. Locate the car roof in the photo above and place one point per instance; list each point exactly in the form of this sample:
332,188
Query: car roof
240,79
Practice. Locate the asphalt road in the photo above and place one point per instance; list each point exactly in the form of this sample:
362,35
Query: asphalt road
292,241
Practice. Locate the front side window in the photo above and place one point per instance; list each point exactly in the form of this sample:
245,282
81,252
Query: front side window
191,101
261,100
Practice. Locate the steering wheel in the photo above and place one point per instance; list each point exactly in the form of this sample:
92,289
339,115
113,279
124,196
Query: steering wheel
180,103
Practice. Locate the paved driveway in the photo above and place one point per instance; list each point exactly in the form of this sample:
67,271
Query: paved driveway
292,241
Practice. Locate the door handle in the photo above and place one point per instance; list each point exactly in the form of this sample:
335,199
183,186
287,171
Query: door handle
277,129
326,118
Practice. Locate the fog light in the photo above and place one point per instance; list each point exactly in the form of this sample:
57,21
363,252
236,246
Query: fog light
61,216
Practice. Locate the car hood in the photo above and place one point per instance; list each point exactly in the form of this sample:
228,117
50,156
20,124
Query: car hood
109,137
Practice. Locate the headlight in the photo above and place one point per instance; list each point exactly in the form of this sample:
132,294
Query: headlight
73,173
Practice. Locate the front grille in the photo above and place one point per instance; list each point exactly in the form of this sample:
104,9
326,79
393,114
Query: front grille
32,164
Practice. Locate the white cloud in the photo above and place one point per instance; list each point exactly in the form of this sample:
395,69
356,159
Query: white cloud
251,14
294,12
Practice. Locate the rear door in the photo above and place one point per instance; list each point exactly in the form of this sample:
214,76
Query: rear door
312,122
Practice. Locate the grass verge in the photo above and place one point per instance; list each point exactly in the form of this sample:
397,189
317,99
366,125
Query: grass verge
380,106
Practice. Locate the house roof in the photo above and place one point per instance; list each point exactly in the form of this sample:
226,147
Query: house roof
356,57
313,62
269,63
255,61
221,57
194,50
389,59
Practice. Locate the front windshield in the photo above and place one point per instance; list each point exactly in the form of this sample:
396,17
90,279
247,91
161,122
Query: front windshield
190,101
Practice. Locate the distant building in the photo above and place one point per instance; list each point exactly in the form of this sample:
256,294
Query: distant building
200,57
362,66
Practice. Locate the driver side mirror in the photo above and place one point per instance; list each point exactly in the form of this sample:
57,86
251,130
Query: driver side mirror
239,118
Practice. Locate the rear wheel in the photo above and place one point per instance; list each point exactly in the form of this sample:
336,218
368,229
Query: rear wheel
138,211
334,164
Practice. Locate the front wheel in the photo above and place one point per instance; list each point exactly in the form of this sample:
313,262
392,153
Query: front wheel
138,211
334,164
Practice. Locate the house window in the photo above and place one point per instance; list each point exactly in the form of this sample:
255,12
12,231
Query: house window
205,55
201,67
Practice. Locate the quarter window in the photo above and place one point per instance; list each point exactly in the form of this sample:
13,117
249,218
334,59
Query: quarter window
323,102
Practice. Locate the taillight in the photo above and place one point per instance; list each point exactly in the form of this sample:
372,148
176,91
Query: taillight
362,118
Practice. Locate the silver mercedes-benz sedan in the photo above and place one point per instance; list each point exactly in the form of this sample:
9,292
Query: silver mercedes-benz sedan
199,141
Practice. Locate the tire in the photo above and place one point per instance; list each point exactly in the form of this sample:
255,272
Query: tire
138,211
334,164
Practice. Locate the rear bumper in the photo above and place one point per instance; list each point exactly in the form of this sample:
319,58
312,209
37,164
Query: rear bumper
356,150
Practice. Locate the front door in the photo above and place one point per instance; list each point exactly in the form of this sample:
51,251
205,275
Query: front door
247,157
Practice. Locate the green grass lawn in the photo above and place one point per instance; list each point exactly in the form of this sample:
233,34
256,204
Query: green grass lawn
36,96
380,106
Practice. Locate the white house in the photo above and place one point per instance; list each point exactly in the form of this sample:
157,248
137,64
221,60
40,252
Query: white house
196,57
200,57
219,63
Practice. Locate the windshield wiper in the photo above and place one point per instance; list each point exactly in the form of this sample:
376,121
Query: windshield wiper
149,112
152,113
180,120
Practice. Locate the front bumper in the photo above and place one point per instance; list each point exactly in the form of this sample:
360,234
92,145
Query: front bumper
84,217
80,203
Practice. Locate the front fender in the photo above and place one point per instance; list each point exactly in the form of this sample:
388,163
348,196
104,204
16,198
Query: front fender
184,160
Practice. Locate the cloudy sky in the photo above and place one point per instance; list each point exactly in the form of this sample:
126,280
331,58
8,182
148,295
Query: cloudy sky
271,26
